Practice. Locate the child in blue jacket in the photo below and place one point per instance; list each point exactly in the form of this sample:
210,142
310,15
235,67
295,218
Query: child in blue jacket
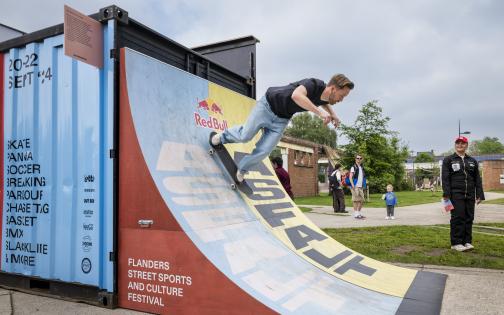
391,201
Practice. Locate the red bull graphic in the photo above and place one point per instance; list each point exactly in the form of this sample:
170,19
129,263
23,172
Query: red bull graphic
213,112
203,105
216,109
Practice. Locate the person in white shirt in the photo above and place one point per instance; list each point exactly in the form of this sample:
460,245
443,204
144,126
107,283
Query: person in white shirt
358,183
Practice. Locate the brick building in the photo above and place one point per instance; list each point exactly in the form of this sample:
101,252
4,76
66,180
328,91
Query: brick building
301,161
493,175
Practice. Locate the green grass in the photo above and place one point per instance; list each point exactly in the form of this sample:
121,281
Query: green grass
404,198
499,201
422,245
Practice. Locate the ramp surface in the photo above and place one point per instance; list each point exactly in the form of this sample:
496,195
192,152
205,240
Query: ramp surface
231,252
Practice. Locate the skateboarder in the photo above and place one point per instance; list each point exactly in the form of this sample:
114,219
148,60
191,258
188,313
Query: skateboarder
274,110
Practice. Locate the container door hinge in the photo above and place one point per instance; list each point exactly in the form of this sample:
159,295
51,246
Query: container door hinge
250,81
114,54
112,256
113,154
113,12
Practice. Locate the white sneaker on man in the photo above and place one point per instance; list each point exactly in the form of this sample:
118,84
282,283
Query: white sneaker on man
469,246
216,139
392,218
459,247
239,176
387,218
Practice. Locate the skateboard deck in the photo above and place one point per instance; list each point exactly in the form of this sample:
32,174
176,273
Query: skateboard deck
229,165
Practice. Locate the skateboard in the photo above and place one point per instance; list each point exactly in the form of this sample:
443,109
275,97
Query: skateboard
229,165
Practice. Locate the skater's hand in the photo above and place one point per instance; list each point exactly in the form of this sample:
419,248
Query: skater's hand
335,121
478,201
325,116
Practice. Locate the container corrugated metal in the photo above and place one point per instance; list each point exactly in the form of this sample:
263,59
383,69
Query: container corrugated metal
58,175
60,165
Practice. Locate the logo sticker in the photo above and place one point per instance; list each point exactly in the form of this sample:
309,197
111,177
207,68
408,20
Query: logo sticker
86,265
87,243
456,167
209,114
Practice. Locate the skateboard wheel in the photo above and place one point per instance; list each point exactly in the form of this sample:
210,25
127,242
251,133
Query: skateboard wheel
211,151
233,186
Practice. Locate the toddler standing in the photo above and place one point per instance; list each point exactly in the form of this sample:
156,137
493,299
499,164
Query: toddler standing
391,201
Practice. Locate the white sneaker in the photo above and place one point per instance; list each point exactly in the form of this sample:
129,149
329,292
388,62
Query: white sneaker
216,139
239,175
459,247
469,246
392,218
387,218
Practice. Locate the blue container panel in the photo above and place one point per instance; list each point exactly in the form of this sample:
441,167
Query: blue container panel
58,130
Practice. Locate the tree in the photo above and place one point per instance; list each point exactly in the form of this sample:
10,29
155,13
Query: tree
308,127
424,158
486,146
383,153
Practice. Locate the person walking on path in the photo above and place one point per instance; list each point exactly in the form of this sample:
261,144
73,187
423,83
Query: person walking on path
283,175
390,202
358,183
336,188
462,186
274,110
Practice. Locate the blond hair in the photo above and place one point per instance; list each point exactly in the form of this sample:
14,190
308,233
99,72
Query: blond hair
390,185
340,80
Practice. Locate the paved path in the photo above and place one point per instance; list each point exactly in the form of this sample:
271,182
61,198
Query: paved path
426,214
469,291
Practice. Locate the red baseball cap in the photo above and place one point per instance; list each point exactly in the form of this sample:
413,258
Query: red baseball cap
461,139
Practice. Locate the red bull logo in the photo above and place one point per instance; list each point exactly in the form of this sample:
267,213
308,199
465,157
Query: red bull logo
216,109
203,105
211,109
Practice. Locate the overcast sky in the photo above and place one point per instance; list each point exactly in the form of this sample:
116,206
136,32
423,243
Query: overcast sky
429,63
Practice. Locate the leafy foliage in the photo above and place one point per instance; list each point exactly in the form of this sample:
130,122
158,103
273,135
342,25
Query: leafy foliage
488,145
424,158
383,153
308,127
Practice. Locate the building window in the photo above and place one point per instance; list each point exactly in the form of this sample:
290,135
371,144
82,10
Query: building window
303,159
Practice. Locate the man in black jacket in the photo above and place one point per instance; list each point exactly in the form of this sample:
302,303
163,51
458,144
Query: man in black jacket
462,186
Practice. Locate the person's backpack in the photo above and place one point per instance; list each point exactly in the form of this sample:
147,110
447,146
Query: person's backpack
345,179
333,181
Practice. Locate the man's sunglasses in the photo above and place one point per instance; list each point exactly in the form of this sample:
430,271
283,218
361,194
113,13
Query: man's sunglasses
359,158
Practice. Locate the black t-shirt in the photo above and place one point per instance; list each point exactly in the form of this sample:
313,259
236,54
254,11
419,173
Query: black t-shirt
280,98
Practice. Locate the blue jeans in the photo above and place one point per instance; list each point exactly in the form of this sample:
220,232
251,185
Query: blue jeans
263,118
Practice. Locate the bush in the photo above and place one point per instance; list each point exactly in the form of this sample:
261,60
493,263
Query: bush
379,185
405,185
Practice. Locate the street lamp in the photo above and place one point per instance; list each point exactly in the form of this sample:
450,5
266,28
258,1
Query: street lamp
413,160
463,133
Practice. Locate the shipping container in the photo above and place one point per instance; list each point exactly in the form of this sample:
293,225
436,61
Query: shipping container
7,32
60,153
113,195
